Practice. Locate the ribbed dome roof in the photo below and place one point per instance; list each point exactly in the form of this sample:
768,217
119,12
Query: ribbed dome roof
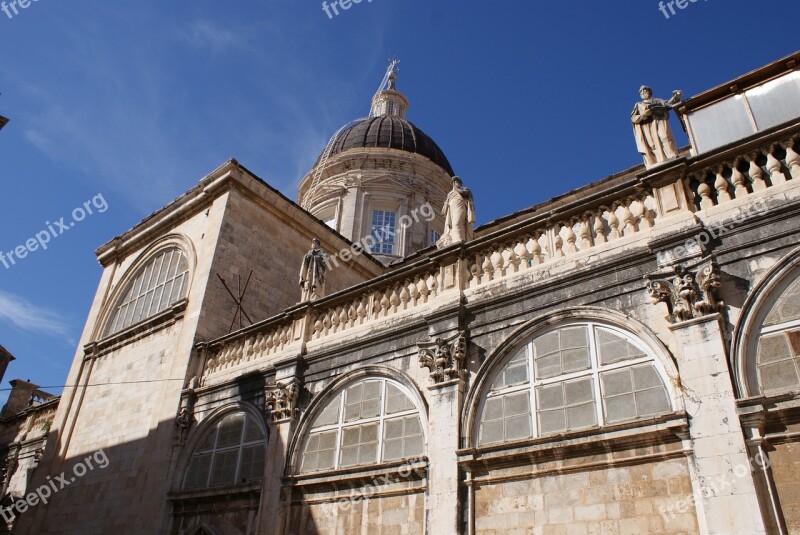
390,132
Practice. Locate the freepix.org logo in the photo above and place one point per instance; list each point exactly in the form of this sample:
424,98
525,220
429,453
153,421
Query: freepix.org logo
11,9
668,8
53,230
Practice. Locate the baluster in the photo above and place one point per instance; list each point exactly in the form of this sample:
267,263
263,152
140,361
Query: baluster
722,187
584,233
739,181
706,201
522,254
423,288
344,317
629,222
361,311
497,262
413,291
792,159
775,169
756,173
488,270
405,297
613,222
535,249
570,237
558,242
599,228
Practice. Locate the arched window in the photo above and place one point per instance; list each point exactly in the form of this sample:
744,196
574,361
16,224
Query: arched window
568,378
231,452
778,352
370,421
156,286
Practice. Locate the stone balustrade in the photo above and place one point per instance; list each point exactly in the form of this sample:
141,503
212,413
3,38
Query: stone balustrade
633,207
746,174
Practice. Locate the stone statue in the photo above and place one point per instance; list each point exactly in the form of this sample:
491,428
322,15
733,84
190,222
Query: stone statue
459,215
650,119
312,273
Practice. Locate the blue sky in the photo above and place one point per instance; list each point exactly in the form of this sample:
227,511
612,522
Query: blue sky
137,101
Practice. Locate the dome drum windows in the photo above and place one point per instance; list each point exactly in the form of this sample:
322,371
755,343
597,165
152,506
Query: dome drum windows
160,283
371,421
571,378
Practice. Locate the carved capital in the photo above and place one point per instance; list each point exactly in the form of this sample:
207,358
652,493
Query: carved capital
280,401
688,292
185,418
444,357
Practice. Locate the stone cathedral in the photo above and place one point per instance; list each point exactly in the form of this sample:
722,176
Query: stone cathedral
621,359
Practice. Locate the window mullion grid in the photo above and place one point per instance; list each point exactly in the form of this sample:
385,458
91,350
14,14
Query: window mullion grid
213,455
382,416
164,284
238,466
772,329
339,435
529,349
594,358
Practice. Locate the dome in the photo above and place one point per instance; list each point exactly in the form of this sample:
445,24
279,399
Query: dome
390,132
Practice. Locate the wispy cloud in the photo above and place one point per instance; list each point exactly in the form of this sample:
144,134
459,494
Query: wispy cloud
205,33
27,317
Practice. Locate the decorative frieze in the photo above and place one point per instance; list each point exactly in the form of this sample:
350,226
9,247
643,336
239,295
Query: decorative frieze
688,292
444,357
280,401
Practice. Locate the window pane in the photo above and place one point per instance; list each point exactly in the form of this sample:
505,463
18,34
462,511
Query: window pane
779,376
330,415
252,431
614,348
562,351
197,473
396,400
251,467
518,427
550,397
552,421
230,431
653,401
223,471
775,102
582,416
515,372
620,408
773,348
788,306
720,124
616,382
579,391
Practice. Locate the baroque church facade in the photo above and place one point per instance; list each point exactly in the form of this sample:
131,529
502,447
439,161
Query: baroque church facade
621,359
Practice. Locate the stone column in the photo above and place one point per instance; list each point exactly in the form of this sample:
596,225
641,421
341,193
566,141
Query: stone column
721,466
445,360
280,403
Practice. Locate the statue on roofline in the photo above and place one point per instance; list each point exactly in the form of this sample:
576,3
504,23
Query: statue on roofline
650,119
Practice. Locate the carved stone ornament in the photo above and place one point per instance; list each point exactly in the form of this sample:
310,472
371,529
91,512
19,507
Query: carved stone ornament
444,357
281,401
688,293
185,418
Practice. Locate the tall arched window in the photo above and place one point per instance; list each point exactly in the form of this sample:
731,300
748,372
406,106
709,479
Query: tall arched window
231,452
778,351
156,286
371,421
568,378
